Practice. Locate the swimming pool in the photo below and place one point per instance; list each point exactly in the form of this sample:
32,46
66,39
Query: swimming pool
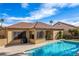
60,48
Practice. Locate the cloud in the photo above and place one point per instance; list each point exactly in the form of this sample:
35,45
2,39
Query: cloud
35,15
24,5
49,9
73,21
74,4
5,24
44,11
18,19
60,5
11,19
54,5
4,14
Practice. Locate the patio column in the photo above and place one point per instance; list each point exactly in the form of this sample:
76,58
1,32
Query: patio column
45,34
27,35
62,33
9,36
52,34
35,34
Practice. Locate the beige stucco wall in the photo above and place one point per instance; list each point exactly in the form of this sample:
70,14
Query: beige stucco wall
32,41
3,42
37,41
55,33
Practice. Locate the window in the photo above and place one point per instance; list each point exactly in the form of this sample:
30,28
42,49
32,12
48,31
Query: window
31,35
40,34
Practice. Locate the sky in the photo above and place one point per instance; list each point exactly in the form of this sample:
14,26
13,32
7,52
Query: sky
42,12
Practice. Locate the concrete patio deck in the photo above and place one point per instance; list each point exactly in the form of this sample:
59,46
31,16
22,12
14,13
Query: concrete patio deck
18,50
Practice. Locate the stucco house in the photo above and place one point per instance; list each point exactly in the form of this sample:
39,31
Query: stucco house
24,32
64,26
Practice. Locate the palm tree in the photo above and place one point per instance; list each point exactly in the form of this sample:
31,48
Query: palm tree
1,21
2,28
51,22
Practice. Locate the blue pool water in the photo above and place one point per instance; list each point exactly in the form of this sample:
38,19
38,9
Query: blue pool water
60,48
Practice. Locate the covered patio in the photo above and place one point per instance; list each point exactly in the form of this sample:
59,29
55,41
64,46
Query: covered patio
31,33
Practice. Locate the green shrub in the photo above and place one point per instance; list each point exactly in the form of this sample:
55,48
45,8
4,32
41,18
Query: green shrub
59,35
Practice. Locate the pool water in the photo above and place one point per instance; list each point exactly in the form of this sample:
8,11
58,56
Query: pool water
60,48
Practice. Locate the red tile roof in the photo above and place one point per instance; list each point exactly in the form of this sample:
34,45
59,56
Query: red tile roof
61,25
36,25
22,25
42,25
